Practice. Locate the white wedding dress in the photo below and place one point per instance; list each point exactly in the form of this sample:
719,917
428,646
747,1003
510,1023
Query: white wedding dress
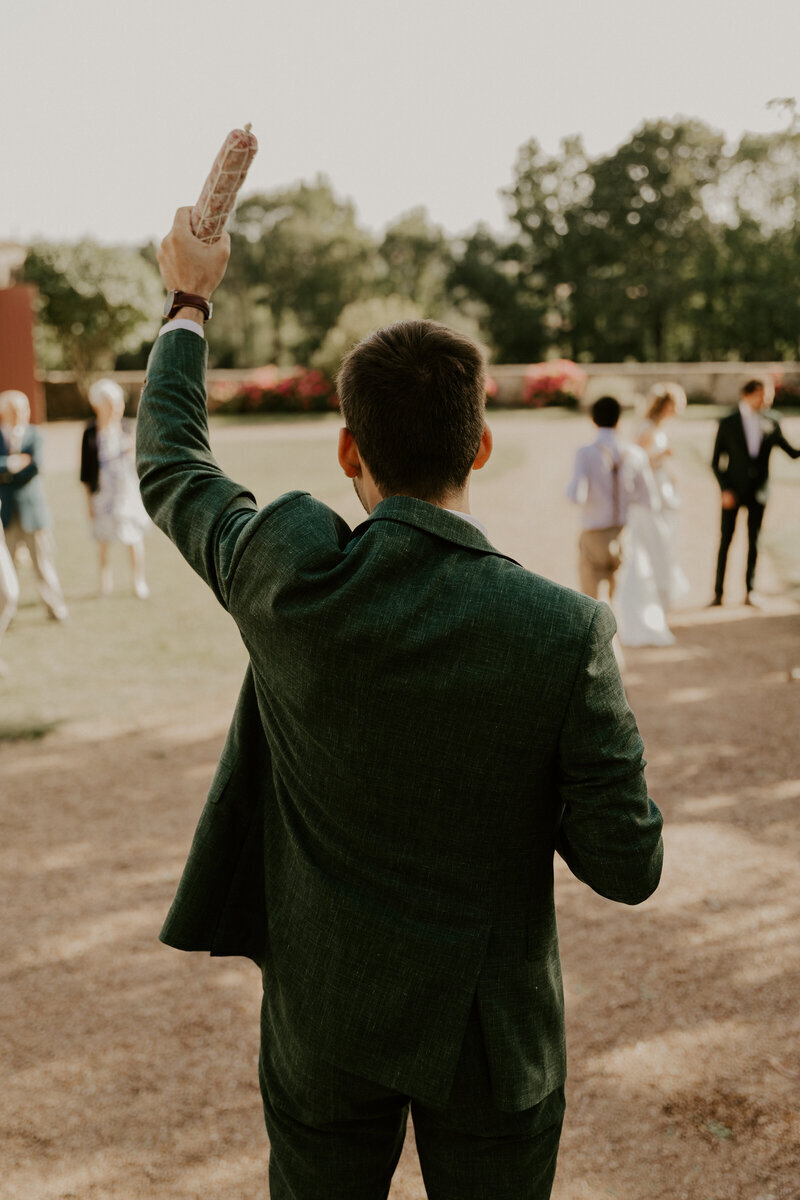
651,581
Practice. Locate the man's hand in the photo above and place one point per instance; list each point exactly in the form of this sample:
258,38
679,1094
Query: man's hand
189,265
17,462
729,500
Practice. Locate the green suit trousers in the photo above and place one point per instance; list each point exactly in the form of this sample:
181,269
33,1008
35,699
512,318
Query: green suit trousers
337,1136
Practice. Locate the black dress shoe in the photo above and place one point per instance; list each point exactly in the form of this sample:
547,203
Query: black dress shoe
716,602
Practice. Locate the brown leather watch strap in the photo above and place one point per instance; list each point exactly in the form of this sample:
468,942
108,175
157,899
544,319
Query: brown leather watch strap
178,300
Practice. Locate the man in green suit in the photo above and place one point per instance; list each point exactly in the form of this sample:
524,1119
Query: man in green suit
422,724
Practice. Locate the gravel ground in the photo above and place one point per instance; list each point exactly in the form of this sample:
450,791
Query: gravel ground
130,1070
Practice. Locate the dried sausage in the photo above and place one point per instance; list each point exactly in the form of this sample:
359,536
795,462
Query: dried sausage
222,185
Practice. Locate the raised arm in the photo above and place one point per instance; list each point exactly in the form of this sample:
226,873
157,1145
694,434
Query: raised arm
610,834
720,451
184,489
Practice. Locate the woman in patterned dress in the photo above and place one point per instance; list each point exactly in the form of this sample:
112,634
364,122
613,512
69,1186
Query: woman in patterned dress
109,474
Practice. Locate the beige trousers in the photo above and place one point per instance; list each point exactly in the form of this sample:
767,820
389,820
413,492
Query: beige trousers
42,551
9,586
599,557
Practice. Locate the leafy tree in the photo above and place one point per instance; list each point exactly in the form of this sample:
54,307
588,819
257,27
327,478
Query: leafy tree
648,206
299,252
757,201
612,242
417,260
487,282
751,306
358,319
546,201
94,303
673,246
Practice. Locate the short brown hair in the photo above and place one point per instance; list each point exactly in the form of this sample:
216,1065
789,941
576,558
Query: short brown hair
413,397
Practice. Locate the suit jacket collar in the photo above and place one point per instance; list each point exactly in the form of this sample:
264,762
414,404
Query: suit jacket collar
407,510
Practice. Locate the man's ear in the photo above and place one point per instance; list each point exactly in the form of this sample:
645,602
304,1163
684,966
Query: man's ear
484,450
349,458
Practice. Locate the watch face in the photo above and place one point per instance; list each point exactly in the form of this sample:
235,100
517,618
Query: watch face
168,303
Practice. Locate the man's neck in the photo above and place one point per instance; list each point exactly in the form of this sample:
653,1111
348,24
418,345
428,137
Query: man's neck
456,502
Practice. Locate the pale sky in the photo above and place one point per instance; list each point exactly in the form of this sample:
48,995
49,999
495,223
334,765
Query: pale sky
111,114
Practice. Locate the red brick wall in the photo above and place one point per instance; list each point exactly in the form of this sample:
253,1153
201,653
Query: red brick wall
17,363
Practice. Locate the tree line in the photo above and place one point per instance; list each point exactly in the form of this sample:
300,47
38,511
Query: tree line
673,247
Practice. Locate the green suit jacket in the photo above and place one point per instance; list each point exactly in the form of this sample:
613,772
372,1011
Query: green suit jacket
422,723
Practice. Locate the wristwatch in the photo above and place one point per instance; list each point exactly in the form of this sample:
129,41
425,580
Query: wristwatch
176,300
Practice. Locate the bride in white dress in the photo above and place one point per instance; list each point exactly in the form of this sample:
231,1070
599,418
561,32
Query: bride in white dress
652,580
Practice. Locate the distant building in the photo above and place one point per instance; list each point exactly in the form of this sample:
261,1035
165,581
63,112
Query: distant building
17,361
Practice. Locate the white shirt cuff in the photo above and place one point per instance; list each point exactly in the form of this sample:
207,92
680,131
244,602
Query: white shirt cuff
182,323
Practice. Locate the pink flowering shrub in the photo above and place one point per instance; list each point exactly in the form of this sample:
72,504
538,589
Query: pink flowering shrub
266,391
556,382
787,389
220,393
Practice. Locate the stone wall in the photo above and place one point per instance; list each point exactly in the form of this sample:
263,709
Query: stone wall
712,383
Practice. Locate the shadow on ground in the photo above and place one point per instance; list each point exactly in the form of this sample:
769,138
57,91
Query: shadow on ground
682,1019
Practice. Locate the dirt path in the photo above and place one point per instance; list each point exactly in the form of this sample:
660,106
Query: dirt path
129,1069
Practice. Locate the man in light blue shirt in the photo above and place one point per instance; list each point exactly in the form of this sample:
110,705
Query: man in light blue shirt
607,478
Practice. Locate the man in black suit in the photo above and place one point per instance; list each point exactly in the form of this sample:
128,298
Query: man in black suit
745,440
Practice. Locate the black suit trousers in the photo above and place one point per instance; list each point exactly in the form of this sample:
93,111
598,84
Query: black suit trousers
336,1136
755,515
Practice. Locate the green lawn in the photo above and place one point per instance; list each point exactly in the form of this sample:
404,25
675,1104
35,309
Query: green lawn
127,659
179,652
124,658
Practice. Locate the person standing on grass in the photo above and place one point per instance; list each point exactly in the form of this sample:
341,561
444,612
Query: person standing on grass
745,439
422,724
9,592
108,473
606,479
23,504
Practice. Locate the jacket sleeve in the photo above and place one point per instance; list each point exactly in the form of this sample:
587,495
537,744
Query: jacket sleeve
208,516
787,447
89,462
720,449
20,478
610,832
